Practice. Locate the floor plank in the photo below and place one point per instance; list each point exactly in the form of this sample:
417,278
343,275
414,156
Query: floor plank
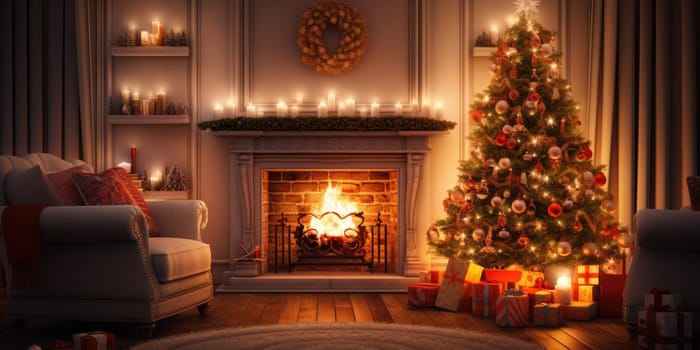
309,308
343,308
378,309
290,309
326,308
360,308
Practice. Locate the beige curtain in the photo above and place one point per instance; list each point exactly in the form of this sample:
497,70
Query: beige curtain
39,90
644,118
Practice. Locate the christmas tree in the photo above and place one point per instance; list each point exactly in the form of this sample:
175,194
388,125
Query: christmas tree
529,194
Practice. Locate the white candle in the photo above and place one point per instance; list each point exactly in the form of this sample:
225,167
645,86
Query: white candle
437,111
250,110
282,109
125,96
132,35
426,109
260,112
341,108
145,38
363,112
350,107
155,26
398,109
231,108
295,111
414,108
160,102
374,110
562,290
494,33
331,101
322,110
156,179
218,111
136,96
126,166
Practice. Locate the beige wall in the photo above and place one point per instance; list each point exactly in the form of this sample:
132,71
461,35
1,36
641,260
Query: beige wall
452,76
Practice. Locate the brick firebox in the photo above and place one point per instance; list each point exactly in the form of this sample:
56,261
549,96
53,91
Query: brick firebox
290,192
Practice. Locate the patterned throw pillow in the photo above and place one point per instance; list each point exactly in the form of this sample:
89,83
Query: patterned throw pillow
102,189
121,174
694,191
63,184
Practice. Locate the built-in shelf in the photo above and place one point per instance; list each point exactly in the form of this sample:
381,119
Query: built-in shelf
148,119
165,195
480,51
140,51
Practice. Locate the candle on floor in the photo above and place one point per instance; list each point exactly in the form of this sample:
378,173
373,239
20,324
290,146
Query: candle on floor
562,290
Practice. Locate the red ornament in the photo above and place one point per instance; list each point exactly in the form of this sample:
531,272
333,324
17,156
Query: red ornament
584,154
554,209
535,41
512,143
477,115
469,185
513,94
514,73
523,241
599,179
534,97
578,226
501,140
539,282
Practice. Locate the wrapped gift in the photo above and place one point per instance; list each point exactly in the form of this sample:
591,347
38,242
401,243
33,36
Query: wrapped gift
610,295
507,278
580,310
585,292
454,291
96,340
59,345
484,297
646,328
661,300
586,274
548,314
537,296
512,309
432,276
531,279
423,295
674,326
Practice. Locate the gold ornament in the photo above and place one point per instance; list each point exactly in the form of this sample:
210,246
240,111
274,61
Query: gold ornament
353,36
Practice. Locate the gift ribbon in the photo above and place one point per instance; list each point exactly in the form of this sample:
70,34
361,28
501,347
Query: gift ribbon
658,295
513,292
451,276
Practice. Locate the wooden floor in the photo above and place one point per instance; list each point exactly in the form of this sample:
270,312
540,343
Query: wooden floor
242,310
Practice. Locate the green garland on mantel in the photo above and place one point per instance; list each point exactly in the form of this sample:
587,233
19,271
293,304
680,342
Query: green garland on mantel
389,123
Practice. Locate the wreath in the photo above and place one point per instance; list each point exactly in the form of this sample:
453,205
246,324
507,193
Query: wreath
353,36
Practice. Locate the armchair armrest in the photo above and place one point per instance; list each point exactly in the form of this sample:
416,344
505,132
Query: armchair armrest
180,218
88,224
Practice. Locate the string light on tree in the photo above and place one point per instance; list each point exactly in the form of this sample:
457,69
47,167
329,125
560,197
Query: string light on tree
529,192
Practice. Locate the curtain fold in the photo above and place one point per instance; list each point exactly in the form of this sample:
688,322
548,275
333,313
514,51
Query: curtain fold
39,91
648,83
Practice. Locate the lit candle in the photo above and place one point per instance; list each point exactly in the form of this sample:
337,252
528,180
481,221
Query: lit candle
145,41
350,107
125,95
494,33
132,35
398,109
437,111
414,108
282,109
218,111
374,110
426,109
126,166
160,102
155,26
295,111
260,112
322,110
231,108
156,179
341,108
562,290
250,110
136,96
331,101
363,112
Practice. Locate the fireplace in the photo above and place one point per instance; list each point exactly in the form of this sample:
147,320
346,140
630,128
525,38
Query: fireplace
274,173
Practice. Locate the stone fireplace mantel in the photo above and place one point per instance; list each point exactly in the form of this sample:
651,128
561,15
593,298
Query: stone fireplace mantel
252,152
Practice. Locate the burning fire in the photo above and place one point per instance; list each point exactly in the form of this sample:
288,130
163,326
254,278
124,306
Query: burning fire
329,224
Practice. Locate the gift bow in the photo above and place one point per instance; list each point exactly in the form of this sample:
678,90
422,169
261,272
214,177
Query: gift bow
513,292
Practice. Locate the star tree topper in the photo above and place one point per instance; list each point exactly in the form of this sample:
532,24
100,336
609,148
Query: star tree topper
527,8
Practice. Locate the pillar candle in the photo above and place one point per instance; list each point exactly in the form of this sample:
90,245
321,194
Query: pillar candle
156,180
322,110
136,96
218,111
231,108
341,109
250,111
374,110
331,101
562,290
145,39
155,26
133,159
125,96
295,111
494,34
437,111
350,107
160,102
414,108
132,35
363,112
426,109
398,109
282,109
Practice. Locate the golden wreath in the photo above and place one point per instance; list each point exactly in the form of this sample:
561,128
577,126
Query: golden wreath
353,36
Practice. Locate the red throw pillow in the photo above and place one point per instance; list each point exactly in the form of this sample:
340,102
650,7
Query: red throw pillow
694,192
62,181
121,174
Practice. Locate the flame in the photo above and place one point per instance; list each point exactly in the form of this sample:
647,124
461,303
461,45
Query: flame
332,225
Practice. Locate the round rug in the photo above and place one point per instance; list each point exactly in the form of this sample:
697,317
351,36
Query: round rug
338,336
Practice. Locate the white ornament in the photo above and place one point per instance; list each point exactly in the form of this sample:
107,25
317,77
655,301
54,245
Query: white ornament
625,240
564,248
496,201
589,248
546,50
519,206
504,234
587,177
478,234
504,163
568,203
507,129
502,106
554,152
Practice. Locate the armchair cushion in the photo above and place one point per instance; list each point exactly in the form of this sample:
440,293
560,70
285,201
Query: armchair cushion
175,258
30,186
62,181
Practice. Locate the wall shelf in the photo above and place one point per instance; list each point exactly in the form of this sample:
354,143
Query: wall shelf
480,51
118,119
159,51
165,195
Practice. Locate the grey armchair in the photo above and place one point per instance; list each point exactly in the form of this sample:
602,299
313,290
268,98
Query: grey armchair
97,263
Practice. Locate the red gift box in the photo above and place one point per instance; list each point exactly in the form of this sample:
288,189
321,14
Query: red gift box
646,328
97,340
586,274
512,309
432,276
547,314
580,310
455,290
423,295
588,292
610,295
484,296
537,296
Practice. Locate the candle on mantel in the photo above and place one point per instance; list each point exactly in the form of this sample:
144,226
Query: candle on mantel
341,108
322,110
398,109
126,166
282,109
363,112
156,180
414,108
250,110
218,111
437,111
260,112
426,109
374,110
331,101
562,290
295,111
494,33
350,107
133,159
231,108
